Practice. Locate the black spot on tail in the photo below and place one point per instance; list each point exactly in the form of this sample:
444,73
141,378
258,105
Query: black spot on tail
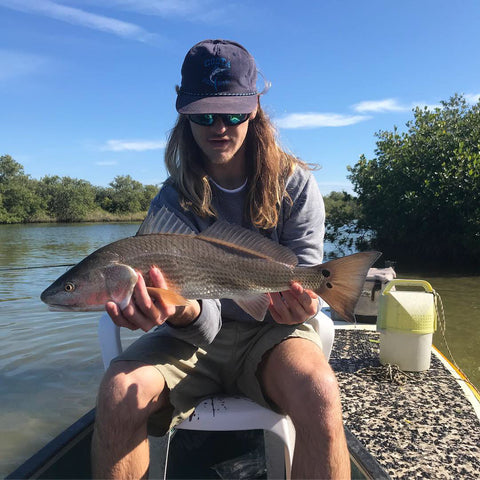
326,273
329,285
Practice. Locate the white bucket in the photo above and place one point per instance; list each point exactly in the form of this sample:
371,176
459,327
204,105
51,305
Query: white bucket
410,351
406,323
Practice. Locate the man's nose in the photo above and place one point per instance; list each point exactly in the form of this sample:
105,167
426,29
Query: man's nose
218,125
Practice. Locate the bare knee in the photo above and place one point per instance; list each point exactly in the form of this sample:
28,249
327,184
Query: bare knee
312,392
129,393
298,378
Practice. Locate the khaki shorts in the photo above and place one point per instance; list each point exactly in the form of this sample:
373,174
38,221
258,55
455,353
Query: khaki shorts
228,365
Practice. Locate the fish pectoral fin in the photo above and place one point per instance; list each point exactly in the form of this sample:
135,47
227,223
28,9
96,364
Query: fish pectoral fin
254,305
167,296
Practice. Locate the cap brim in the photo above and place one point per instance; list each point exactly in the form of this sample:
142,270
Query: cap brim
187,104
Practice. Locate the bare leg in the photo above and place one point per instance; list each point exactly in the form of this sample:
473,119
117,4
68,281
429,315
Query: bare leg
297,377
128,395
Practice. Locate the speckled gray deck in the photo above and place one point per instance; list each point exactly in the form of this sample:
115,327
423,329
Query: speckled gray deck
423,428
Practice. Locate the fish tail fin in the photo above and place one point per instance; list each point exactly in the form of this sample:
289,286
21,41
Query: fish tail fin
343,281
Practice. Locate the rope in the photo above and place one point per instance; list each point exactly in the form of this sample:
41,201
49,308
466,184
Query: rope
393,374
442,322
11,269
387,373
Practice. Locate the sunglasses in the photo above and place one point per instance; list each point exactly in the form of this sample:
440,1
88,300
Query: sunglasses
229,119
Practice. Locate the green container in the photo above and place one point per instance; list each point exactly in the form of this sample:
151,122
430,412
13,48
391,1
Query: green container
406,322
408,309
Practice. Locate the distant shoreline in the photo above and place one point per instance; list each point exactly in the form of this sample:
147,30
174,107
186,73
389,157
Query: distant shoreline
95,217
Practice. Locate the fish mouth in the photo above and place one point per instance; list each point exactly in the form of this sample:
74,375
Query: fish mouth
67,308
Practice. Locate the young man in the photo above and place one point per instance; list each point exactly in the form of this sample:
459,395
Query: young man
224,163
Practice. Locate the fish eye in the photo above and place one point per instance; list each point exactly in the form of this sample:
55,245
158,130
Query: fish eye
69,287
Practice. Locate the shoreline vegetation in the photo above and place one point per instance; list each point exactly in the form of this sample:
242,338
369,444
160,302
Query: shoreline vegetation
98,216
417,200
68,200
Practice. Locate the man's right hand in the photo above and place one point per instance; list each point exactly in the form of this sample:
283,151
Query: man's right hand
143,312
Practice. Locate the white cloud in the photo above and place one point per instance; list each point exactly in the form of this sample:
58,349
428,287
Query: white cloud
428,106
14,64
317,120
155,7
472,98
106,163
133,145
392,105
76,16
192,10
386,105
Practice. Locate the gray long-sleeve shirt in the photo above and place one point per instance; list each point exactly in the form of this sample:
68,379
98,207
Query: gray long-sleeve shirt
300,228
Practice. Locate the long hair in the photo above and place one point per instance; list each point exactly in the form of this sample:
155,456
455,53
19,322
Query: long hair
268,168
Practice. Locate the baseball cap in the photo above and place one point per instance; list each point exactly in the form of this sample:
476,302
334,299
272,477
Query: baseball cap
218,76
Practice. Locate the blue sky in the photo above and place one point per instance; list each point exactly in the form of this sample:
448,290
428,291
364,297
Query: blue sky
87,87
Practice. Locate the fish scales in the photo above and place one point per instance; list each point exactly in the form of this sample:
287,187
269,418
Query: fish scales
224,261
197,268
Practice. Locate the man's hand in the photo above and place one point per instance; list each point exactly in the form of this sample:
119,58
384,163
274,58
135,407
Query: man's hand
293,306
145,313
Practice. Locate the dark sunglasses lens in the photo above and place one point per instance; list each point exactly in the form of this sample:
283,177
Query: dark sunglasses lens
235,118
202,119
207,119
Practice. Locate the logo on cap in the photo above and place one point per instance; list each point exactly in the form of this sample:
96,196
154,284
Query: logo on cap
219,67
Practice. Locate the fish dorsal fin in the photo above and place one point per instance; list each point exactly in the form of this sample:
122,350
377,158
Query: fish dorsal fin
163,221
248,242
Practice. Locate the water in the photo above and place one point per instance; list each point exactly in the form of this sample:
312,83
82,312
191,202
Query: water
461,300
50,364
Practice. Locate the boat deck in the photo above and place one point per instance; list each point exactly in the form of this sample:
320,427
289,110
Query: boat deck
416,426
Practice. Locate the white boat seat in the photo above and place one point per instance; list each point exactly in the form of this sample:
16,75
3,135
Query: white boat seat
228,413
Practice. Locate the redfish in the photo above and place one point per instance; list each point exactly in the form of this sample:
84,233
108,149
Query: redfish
223,261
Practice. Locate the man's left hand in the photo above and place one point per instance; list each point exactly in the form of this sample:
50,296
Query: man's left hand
293,306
